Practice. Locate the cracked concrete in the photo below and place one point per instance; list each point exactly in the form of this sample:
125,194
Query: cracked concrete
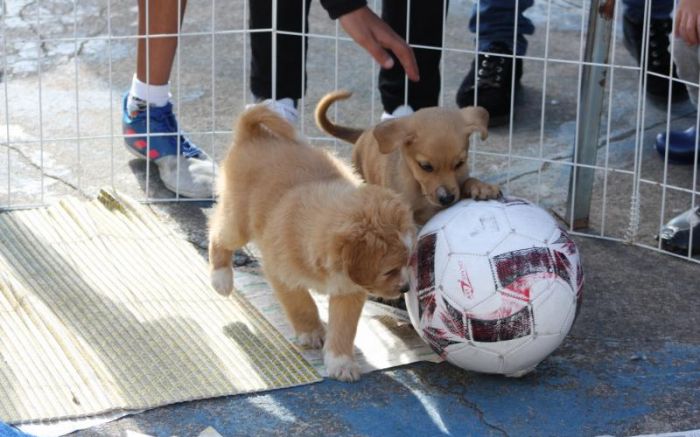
75,129
628,367
47,31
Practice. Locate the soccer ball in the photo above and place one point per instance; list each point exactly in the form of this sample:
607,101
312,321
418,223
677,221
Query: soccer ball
495,285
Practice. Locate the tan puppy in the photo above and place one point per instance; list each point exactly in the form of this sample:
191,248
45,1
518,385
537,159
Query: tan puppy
316,225
422,156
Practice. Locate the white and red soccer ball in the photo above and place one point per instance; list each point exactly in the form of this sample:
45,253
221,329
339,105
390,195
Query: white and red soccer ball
495,285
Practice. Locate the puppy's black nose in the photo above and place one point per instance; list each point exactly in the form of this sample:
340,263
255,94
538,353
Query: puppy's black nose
404,288
447,199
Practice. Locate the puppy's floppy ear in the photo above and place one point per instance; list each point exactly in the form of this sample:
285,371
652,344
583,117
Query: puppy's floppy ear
350,248
477,119
359,265
392,134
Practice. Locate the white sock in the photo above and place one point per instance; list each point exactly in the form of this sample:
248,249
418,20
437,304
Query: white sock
156,95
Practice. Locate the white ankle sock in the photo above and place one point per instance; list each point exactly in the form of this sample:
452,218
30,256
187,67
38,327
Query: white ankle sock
156,95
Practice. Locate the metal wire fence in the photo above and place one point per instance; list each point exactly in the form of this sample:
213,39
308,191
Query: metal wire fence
578,140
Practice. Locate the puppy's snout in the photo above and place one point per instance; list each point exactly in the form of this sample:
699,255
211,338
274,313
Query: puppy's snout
444,196
404,288
446,199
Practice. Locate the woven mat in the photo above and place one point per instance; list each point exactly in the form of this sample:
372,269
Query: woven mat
104,308
385,337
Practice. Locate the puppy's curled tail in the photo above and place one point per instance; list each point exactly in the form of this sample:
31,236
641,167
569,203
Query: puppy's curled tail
260,121
344,133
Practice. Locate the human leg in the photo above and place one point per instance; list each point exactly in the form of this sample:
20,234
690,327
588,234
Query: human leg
659,57
290,77
148,122
490,82
682,144
425,29
496,20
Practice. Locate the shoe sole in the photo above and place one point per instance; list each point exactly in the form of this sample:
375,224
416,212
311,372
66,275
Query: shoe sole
659,100
172,188
504,119
206,197
678,161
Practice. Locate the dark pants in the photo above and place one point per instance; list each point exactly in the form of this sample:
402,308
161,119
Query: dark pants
289,48
497,20
425,29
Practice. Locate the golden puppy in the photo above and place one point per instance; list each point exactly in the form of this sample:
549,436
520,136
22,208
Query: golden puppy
422,156
316,225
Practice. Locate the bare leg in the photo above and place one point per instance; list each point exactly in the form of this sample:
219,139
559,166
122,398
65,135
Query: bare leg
343,317
153,64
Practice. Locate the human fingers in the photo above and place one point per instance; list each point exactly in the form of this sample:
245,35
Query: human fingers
403,52
385,36
688,29
377,52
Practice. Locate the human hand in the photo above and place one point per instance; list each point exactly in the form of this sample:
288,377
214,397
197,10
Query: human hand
688,21
374,35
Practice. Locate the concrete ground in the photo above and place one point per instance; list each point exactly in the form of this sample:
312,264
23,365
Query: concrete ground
63,113
630,365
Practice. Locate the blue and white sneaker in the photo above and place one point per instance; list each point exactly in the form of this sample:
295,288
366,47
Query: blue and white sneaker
191,172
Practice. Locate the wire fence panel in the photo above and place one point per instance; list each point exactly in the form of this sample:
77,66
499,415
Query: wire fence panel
578,135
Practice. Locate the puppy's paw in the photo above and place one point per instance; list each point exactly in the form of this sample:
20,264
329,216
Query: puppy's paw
313,339
341,367
481,190
222,280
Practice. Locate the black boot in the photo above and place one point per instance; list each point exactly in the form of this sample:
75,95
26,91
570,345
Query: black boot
495,74
659,57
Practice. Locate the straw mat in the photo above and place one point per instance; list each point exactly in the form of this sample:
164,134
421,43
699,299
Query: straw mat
103,308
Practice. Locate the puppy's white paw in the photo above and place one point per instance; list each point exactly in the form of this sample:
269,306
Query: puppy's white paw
313,339
342,368
222,280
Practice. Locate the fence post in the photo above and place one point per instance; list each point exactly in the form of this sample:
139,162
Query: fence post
593,81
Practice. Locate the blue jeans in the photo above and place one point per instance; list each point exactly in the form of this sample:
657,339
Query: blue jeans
497,20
